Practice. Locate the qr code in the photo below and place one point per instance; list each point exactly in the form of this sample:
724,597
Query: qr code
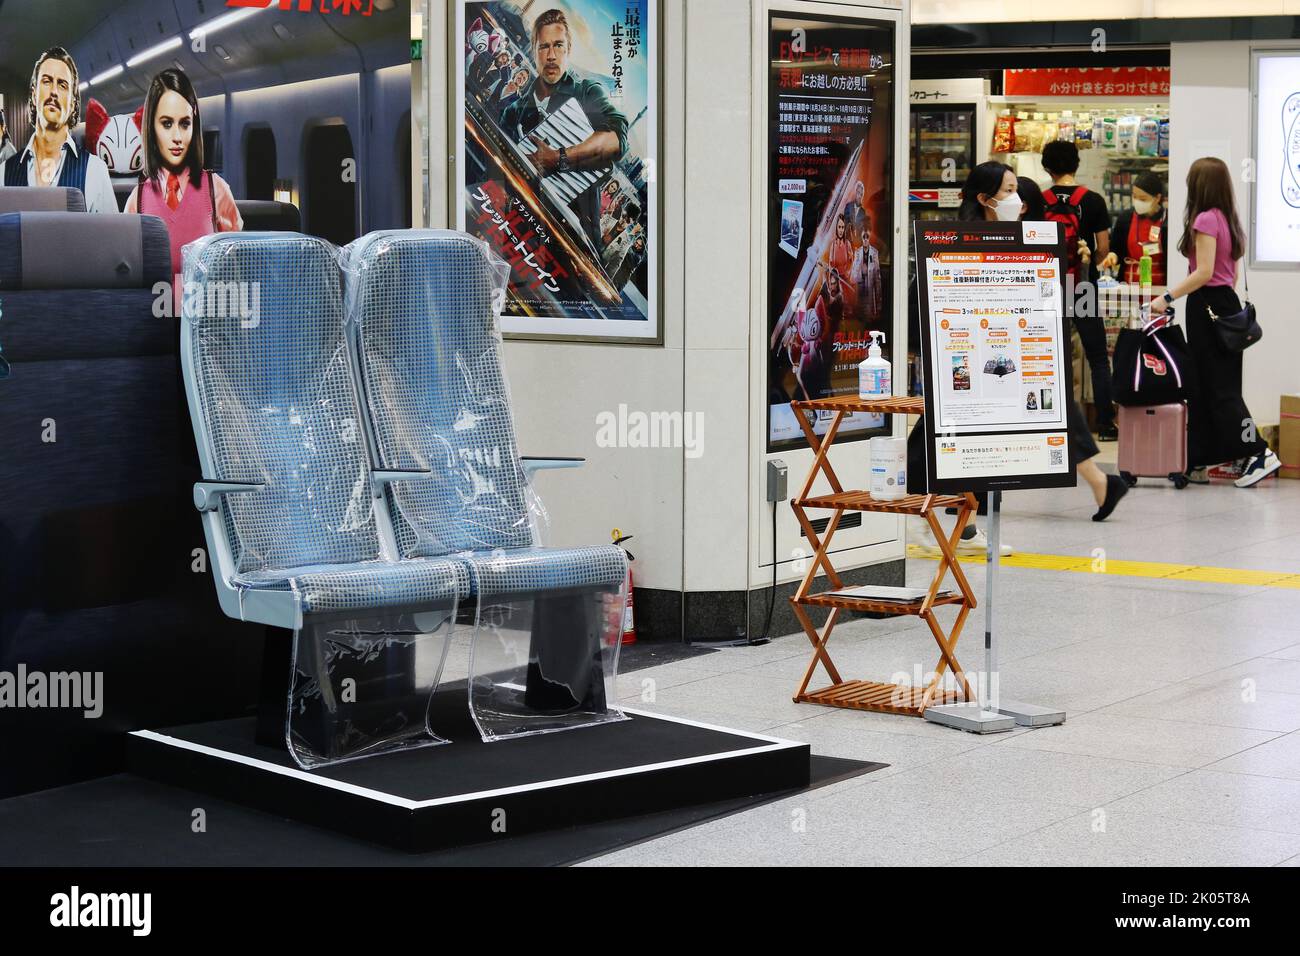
1046,288
1057,460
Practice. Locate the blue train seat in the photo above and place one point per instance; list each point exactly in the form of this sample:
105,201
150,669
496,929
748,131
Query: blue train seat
288,501
423,325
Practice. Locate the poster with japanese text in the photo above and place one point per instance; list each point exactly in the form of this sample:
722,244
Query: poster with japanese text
557,150
830,195
996,353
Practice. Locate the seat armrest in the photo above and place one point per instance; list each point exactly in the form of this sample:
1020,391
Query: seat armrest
207,494
381,479
534,464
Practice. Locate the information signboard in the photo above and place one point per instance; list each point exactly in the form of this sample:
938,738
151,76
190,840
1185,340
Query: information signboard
996,351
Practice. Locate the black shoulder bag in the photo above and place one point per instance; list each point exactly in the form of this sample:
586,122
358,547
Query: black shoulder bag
1239,331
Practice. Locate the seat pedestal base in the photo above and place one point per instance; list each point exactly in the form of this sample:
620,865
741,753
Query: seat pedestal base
468,791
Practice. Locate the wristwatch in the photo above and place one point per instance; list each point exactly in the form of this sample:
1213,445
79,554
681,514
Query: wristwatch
563,165
1169,299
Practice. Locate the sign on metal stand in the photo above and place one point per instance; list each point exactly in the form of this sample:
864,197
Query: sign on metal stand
997,372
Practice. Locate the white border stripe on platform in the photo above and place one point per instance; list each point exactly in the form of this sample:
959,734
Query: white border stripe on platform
773,743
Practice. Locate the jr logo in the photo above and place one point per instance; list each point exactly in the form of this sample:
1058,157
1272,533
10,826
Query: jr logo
345,7
1154,363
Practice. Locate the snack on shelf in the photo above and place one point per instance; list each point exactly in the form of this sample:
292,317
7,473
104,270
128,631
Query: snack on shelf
1098,131
1034,135
1065,128
1004,133
1083,132
1126,133
1148,136
1050,131
1021,140
1109,132
1164,137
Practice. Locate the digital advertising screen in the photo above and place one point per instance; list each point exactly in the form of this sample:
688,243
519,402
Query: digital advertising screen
830,196
1277,152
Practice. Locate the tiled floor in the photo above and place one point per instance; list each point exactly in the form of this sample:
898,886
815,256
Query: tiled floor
1182,745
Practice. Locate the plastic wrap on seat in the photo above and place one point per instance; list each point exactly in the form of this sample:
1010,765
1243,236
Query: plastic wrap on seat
424,309
424,305
546,646
277,412
362,683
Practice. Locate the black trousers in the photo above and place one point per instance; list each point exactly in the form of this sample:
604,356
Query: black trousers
1092,332
1219,425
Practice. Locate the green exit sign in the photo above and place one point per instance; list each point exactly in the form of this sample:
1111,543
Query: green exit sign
417,49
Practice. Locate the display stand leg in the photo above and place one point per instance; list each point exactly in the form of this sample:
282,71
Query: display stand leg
993,715
1026,715
980,716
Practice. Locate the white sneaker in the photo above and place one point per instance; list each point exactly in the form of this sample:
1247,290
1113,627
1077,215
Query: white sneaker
921,543
979,544
1259,468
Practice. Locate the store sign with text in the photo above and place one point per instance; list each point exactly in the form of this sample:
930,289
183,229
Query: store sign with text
362,8
1087,81
997,355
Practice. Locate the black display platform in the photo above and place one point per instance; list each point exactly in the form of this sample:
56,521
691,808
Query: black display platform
468,792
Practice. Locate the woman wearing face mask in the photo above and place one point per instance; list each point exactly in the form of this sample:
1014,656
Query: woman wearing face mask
174,186
989,195
1140,231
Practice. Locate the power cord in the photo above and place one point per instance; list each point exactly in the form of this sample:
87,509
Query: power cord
771,598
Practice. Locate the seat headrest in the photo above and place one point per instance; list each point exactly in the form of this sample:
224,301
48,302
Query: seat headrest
228,268
71,250
41,199
264,215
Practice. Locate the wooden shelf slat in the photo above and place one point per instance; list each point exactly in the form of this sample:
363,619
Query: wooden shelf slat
895,405
862,501
825,599
877,696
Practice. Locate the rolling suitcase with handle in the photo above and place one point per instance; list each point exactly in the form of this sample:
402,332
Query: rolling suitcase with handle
1153,442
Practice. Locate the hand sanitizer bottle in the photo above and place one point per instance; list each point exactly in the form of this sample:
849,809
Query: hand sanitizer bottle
874,379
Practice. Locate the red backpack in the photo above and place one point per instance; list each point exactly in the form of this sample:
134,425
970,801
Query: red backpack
1069,214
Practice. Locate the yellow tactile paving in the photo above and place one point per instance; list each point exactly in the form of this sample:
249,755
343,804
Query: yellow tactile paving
1098,564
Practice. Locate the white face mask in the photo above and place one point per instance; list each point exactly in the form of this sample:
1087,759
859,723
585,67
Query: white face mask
1008,210
1144,207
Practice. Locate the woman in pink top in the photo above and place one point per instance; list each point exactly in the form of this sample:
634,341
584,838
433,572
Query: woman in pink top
1219,425
174,186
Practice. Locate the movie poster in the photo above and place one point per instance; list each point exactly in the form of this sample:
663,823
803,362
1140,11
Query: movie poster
557,145
830,213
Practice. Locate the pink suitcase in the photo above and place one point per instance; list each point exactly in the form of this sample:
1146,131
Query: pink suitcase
1153,443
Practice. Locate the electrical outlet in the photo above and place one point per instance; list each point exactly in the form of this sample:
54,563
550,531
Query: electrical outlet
776,480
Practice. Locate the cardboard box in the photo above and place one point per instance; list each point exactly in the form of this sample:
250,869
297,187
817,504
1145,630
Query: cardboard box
1270,435
1288,439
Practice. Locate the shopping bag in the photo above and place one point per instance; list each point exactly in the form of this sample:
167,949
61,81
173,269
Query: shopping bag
1152,364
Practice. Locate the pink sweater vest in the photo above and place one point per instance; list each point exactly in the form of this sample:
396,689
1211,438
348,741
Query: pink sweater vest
194,218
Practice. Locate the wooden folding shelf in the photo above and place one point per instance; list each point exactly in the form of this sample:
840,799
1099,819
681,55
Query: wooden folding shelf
861,694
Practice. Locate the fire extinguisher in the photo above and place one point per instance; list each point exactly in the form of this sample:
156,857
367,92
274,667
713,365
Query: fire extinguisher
627,612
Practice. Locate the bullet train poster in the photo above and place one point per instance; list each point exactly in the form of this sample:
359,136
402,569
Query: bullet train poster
558,144
304,104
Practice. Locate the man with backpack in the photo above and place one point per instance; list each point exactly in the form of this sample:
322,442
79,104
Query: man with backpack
1084,216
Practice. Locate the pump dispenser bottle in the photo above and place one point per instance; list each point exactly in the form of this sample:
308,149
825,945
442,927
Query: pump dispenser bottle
874,378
